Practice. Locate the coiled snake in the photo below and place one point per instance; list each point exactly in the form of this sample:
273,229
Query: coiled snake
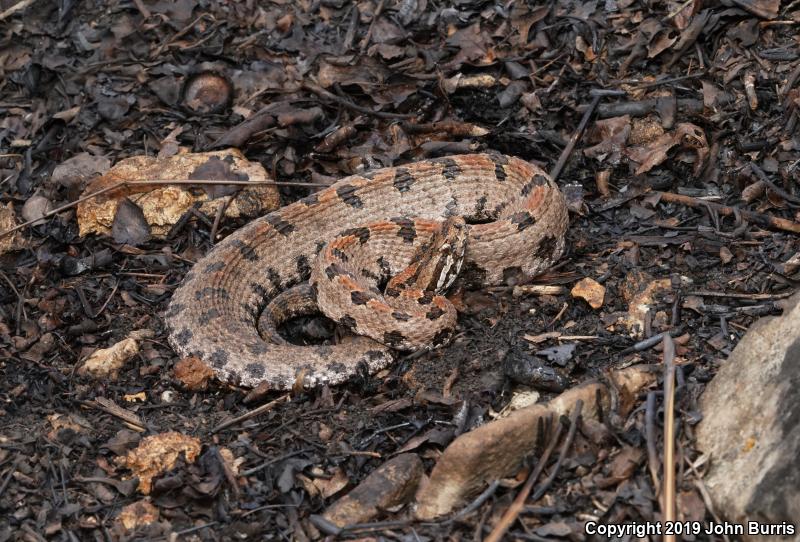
348,239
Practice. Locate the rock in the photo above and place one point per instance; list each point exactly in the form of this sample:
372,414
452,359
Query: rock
76,171
391,484
157,454
591,291
751,426
163,205
107,362
495,450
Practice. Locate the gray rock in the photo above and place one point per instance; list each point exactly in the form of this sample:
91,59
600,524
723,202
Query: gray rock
390,485
751,428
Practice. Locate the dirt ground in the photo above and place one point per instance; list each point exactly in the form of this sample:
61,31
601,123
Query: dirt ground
704,109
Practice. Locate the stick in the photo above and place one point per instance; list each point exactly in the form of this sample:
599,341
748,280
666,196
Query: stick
668,497
247,415
562,160
19,6
121,184
321,92
760,219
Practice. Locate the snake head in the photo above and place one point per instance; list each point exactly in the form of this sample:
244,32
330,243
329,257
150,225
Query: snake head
447,249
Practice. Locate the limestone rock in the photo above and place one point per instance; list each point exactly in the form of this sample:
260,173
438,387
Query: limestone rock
751,425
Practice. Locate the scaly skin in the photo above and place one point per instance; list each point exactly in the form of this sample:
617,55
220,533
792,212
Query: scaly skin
214,313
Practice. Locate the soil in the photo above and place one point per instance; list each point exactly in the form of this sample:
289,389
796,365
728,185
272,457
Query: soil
712,108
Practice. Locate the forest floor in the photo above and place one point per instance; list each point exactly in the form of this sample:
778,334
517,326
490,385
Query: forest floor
701,106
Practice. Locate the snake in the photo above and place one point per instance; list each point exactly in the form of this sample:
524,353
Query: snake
375,252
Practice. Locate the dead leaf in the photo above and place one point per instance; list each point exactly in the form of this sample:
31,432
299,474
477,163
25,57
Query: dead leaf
130,227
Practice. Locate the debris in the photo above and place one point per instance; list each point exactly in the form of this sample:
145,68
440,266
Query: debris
193,373
388,486
8,221
207,92
162,207
590,291
157,454
496,450
106,363
138,514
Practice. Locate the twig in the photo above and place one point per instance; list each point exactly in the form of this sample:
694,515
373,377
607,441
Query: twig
122,184
760,219
775,188
19,6
11,471
319,91
271,462
736,295
650,437
573,426
477,502
562,160
368,37
250,414
220,212
20,300
107,405
668,497
652,341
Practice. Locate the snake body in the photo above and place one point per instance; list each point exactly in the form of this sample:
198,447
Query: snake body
516,219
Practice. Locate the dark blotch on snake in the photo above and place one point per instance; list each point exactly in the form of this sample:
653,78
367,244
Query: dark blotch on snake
256,370
434,313
450,169
274,278
247,252
360,297
408,231
338,253
347,321
401,316
311,199
282,226
347,194
184,336
214,267
426,298
362,233
210,291
219,358
258,349
402,179
303,267
523,220
207,316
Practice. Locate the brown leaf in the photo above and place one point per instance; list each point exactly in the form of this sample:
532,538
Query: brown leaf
129,226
